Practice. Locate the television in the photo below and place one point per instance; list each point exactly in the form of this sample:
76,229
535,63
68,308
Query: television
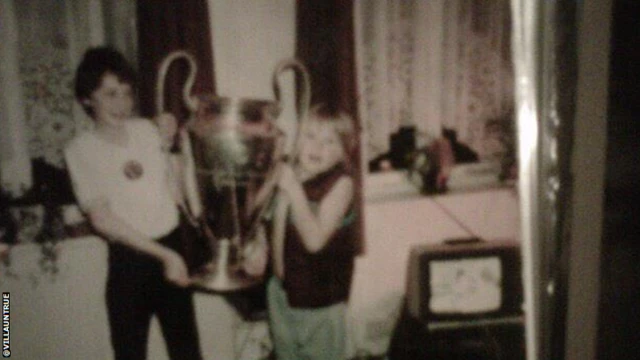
465,281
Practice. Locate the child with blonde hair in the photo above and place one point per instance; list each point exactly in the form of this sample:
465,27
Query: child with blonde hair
313,242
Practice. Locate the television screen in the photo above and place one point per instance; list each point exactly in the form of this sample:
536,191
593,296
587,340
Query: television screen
466,286
461,281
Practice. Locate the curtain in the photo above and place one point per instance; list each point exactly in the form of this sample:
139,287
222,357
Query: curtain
432,65
15,171
42,41
479,100
325,44
163,27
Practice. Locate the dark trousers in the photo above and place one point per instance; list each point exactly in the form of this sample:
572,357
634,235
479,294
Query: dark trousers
136,290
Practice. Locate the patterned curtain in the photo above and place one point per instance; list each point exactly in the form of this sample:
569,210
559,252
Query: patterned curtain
432,65
43,40
15,170
479,100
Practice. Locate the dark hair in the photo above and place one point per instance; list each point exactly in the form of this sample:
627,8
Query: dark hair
94,65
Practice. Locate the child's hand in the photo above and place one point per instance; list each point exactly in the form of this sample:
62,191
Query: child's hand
175,270
256,255
168,127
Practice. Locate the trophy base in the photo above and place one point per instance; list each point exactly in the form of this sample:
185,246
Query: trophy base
224,280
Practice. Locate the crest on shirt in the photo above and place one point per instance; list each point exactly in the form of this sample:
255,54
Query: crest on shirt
133,170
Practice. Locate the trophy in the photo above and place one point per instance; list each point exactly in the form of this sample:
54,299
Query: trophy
234,145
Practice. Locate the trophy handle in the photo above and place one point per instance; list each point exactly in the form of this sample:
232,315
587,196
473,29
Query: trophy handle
299,67
190,101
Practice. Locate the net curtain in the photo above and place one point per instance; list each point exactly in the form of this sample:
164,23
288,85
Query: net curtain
432,65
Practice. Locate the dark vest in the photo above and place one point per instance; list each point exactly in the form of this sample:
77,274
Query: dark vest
322,278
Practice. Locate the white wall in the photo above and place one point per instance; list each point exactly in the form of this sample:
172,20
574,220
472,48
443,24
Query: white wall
249,39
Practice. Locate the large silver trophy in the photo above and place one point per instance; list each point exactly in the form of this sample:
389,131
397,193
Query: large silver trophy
234,144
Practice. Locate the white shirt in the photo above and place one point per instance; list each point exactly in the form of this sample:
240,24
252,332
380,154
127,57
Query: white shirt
133,179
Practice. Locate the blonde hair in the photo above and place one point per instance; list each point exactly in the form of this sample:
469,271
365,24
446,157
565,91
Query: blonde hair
340,122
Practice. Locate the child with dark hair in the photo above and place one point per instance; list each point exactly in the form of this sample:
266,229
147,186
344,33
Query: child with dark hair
123,183
94,65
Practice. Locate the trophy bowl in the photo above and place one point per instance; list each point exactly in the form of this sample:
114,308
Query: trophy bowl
235,144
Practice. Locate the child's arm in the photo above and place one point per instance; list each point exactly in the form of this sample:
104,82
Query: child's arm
316,228
277,240
113,228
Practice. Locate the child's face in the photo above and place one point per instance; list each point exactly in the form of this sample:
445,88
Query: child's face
112,102
320,148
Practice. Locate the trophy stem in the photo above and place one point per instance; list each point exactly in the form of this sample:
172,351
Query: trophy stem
223,276
236,213
223,258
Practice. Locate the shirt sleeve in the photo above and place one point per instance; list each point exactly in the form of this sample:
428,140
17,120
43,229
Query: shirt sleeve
87,185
